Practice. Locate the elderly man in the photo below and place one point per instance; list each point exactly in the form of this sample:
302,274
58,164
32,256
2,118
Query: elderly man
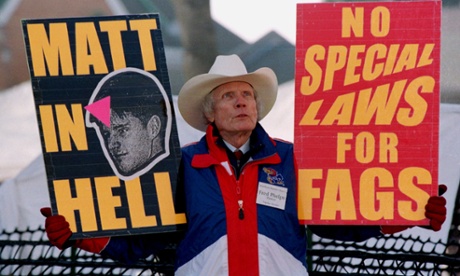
229,232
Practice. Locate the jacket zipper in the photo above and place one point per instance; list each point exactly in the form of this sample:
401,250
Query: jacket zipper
239,192
240,200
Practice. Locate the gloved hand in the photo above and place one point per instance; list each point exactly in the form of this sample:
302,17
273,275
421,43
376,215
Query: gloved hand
57,229
435,211
59,233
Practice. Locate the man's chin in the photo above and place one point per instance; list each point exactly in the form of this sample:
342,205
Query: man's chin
126,172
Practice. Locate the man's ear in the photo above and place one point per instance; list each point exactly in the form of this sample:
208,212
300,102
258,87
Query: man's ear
209,117
154,126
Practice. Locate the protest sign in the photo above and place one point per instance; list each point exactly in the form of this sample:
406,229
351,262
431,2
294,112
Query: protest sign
367,111
106,121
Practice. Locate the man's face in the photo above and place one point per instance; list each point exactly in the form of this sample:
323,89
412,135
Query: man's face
128,142
235,108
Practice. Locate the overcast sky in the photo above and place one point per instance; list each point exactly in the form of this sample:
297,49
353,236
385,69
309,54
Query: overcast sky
252,19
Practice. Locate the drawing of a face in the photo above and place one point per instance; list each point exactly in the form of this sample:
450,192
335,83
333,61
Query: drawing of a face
135,134
129,141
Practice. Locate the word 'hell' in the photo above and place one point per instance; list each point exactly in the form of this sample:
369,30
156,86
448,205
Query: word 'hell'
84,200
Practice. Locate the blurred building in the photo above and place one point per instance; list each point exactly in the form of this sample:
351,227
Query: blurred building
13,63
272,50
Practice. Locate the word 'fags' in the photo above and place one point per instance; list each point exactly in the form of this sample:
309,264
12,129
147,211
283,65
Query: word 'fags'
376,201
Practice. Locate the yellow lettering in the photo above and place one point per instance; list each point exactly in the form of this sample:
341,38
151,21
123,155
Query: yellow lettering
369,197
353,62
71,128
365,147
380,21
338,196
307,192
407,58
48,128
108,202
425,58
371,69
83,202
136,206
415,115
342,145
144,27
309,116
382,106
352,20
310,84
55,49
391,59
388,153
168,214
336,60
410,189
88,49
340,111
114,29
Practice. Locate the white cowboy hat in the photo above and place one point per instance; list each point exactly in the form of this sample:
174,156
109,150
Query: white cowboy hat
225,69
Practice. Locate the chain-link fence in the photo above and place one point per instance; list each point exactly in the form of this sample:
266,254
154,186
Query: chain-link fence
29,253
386,255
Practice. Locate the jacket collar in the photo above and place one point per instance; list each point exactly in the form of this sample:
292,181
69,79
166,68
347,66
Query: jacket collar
262,147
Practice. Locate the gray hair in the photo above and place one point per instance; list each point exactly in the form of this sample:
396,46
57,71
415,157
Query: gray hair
207,106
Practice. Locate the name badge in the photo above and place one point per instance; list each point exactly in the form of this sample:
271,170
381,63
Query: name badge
272,195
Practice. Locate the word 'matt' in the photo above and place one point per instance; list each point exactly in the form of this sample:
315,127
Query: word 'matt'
57,48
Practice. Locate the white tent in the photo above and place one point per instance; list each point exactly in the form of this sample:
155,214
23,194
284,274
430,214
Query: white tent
19,138
22,196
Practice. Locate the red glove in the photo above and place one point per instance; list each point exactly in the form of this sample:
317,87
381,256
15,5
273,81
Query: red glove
57,229
391,229
59,233
435,211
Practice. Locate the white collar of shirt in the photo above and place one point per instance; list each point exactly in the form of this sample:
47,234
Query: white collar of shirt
244,148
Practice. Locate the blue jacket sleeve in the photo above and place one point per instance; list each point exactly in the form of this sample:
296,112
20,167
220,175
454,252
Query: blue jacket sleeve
129,249
346,233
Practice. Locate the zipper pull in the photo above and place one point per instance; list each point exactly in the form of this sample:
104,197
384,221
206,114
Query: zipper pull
241,211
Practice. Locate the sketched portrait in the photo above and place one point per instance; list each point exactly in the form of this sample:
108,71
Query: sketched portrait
131,113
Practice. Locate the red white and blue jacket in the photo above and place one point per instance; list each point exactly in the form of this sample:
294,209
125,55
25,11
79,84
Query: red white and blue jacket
267,241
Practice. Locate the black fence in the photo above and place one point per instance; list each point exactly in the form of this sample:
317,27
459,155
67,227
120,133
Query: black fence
29,253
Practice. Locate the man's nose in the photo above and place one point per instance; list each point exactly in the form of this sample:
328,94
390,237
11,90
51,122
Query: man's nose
240,101
113,143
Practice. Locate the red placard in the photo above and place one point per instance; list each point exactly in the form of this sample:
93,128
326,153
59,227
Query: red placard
367,111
